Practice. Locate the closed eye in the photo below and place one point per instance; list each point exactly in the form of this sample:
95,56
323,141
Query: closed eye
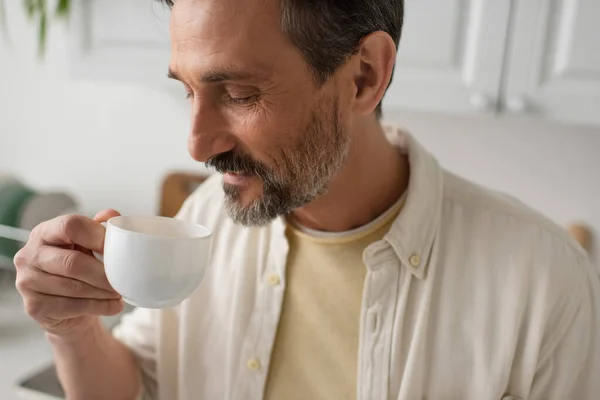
242,100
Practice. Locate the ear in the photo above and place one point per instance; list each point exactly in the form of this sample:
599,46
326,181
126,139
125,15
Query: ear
376,58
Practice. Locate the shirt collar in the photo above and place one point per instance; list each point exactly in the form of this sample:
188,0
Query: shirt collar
412,235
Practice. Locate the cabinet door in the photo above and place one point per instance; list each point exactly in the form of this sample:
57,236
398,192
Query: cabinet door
451,56
119,40
554,68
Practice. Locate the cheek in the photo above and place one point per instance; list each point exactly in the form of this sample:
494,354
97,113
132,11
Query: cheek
266,132
255,128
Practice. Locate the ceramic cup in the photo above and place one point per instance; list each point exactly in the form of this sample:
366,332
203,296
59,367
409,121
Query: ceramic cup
155,262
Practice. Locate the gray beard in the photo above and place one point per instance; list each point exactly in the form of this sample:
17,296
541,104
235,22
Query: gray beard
309,168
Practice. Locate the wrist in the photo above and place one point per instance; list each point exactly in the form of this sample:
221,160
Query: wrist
79,337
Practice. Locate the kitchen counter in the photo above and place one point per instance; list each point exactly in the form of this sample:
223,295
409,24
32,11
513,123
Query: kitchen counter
23,347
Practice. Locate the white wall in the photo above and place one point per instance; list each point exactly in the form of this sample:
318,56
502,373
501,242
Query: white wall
110,144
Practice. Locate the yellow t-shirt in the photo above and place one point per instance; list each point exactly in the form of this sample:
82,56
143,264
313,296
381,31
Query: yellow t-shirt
315,355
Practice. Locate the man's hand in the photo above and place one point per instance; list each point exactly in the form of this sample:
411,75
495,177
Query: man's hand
63,285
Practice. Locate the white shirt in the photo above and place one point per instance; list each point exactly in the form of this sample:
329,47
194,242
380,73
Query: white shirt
471,295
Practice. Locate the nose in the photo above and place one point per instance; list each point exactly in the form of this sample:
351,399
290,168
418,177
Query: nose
209,133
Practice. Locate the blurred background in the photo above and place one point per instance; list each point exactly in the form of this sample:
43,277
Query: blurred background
505,93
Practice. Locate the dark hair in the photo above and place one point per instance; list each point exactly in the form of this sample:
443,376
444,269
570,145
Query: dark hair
327,32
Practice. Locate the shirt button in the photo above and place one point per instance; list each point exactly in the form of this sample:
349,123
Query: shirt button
274,280
253,364
415,260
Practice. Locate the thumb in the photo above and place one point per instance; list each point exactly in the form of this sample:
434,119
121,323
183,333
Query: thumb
102,216
105,215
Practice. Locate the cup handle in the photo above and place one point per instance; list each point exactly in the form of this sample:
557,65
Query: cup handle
99,256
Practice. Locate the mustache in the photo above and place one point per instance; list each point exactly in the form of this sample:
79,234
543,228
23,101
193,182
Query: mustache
232,161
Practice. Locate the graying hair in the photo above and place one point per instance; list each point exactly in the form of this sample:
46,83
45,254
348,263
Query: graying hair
328,32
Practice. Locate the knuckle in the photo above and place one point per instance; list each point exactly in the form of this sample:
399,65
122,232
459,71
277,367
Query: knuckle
19,285
34,306
23,282
21,259
71,264
70,225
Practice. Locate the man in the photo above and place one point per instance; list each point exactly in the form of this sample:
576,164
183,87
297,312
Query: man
346,263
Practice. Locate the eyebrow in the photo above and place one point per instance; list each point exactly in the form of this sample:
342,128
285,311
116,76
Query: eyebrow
217,76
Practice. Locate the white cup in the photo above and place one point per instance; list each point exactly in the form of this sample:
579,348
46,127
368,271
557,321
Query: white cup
155,262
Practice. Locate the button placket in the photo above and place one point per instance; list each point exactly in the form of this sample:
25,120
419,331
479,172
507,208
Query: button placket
253,369
271,299
381,290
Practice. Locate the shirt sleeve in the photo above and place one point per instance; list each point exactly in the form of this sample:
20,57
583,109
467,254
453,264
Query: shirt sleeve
572,368
138,331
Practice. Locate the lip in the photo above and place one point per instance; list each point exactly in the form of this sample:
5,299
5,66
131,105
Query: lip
233,178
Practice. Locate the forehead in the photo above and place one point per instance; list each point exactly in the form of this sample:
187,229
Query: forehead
224,34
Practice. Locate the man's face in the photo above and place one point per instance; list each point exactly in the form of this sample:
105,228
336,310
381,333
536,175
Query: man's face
257,115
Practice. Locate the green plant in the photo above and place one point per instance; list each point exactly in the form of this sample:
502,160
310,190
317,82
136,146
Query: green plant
37,10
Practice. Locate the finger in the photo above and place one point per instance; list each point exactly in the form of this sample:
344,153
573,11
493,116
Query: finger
72,230
72,264
42,282
42,306
105,215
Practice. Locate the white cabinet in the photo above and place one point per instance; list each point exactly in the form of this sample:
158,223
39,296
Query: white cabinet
450,56
533,58
554,60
